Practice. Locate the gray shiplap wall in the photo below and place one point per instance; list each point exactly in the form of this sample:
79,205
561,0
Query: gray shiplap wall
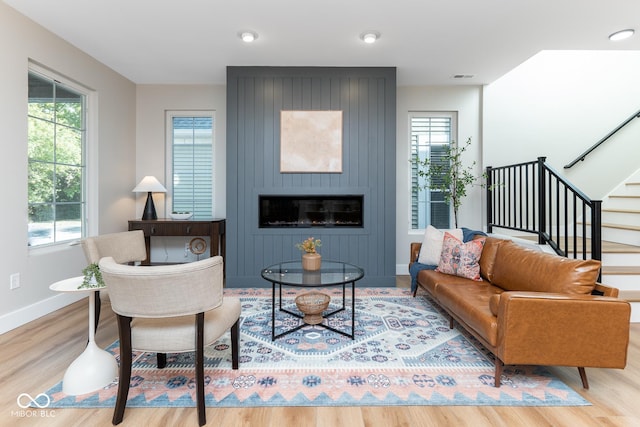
255,97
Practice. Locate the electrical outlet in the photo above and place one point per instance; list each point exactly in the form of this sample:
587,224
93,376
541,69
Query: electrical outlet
14,281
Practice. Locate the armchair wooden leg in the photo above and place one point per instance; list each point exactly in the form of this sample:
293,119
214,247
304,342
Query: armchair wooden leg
235,332
583,377
202,416
124,330
162,360
498,373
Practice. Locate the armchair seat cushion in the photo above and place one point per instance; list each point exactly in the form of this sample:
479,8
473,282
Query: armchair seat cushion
176,334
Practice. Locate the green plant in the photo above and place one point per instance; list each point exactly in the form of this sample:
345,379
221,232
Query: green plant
309,245
91,271
449,175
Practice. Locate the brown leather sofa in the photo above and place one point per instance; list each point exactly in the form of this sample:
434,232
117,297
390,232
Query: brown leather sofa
535,308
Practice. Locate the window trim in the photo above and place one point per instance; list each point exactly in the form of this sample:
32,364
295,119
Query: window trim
169,115
453,115
90,178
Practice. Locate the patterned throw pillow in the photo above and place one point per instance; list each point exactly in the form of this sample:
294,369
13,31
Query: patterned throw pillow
461,259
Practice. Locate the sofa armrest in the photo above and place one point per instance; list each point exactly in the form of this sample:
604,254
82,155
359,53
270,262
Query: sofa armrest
563,329
415,251
605,290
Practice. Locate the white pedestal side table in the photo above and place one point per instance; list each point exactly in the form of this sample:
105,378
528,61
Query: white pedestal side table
95,367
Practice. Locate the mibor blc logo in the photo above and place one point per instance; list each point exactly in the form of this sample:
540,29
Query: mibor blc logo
33,407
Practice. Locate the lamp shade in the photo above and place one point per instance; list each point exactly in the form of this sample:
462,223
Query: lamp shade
149,184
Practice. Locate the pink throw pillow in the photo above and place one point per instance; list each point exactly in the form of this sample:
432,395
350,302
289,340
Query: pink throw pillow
461,259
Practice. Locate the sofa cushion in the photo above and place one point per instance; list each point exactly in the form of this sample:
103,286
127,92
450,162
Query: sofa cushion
432,244
469,301
461,259
494,303
431,279
521,269
488,258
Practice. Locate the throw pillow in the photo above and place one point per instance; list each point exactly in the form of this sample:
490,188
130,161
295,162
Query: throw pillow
461,259
432,244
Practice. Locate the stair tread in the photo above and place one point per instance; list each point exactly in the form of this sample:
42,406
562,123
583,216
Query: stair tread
624,196
618,226
622,226
632,211
620,269
631,296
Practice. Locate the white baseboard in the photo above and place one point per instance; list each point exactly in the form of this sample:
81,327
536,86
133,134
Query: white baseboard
34,311
402,269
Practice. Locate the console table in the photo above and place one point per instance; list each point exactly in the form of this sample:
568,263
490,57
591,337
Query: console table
214,228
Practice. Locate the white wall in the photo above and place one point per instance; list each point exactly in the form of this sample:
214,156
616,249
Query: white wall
466,101
559,103
20,41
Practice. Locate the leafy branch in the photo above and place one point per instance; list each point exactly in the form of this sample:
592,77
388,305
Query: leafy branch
448,175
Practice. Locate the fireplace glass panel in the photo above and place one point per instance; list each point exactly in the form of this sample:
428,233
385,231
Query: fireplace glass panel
310,211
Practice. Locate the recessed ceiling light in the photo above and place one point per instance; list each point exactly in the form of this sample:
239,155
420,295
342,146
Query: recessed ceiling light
621,35
370,36
248,36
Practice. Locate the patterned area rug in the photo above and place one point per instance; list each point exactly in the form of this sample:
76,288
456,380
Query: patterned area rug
403,354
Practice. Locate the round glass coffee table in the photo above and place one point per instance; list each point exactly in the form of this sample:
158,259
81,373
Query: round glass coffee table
331,273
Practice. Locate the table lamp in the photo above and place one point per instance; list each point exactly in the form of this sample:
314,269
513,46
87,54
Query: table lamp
149,184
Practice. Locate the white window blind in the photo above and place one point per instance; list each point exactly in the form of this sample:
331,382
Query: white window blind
192,165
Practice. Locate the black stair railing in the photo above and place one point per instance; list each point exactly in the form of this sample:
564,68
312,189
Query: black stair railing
582,156
533,198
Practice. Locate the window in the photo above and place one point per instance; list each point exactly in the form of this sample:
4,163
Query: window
56,153
190,162
430,135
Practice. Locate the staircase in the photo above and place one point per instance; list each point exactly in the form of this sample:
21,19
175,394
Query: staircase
532,197
621,242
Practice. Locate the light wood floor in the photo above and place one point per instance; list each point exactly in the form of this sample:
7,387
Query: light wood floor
34,358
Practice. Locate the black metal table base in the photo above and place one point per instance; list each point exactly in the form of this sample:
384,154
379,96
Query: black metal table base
324,316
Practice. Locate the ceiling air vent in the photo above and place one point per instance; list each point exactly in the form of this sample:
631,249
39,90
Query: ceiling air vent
462,76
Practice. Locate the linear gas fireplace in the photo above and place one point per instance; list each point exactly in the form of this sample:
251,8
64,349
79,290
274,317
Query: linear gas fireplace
310,211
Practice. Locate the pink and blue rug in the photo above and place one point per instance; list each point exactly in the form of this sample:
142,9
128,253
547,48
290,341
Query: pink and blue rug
403,354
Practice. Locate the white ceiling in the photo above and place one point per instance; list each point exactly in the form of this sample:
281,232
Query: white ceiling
429,41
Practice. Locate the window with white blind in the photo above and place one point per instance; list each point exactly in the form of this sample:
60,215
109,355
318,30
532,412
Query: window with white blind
190,162
430,133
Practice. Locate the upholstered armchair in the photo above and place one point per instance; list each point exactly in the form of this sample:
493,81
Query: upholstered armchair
125,247
170,309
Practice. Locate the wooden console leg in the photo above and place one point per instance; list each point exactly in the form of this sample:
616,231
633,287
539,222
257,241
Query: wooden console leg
498,373
583,377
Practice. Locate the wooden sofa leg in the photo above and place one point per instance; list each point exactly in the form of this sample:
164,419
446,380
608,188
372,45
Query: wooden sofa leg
583,377
498,374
